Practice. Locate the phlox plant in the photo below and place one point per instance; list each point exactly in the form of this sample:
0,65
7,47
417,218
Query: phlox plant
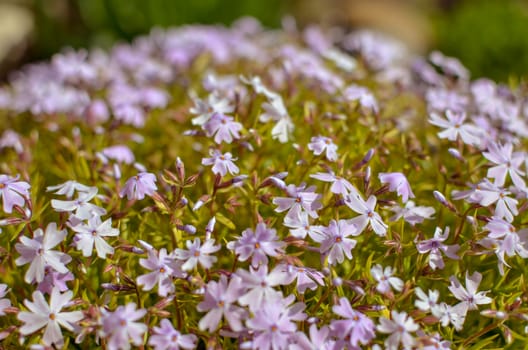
224,188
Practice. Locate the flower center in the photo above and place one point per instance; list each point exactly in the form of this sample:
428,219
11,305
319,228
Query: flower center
196,253
52,316
257,245
338,239
274,328
174,338
370,214
122,323
94,233
2,186
162,270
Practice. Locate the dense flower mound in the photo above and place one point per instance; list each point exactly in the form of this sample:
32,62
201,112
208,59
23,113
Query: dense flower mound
223,188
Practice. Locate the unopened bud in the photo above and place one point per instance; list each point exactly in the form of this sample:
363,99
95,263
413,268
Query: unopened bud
442,199
187,228
117,171
198,205
455,153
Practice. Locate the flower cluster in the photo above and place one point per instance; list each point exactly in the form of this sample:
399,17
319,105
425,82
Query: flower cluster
225,188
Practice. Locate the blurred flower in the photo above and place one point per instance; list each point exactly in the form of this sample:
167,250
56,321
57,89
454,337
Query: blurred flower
356,328
412,213
120,327
455,126
397,182
165,337
223,128
219,300
339,184
4,303
400,328
222,163
385,279
138,186
13,192
320,144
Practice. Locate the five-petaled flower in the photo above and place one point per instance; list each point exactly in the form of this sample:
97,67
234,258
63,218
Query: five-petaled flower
41,314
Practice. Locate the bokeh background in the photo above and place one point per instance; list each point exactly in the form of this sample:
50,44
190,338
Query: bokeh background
489,36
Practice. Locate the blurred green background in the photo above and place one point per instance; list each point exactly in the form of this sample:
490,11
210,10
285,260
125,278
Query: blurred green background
489,36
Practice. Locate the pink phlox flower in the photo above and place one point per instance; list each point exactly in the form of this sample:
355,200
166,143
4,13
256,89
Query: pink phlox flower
4,303
219,301
488,193
258,86
506,162
367,214
164,268
340,185
223,127
204,110
222,163
385,279
469,295
449,65
412,213
503,238
196,253
258,245
361,94
356,327
91,234
336,243
11,139
320,144
260,285
119,153
38,252
41,314
397,182
455,126
490,102
299,198
400,328
426,302
120,327
138,186
299,224
455,315
13,192
378,51
68,188
433,342
307,278
81,207
273,325
274,110
442,100
53,279
319,339
435,247
165,337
